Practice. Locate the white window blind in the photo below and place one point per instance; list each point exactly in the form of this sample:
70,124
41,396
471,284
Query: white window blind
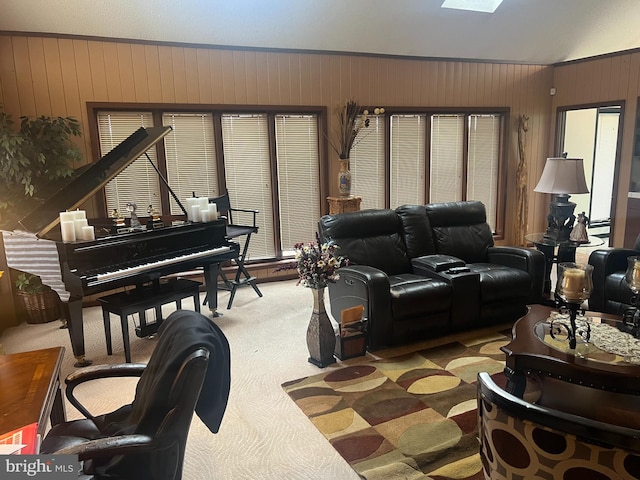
191,156
298,179
248,176
139,182
445,166
367,164
408,134
483,163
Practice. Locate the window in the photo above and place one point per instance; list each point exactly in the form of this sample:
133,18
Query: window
408,159
268,162
367,163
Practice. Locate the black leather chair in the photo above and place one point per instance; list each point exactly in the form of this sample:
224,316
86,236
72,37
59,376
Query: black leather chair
519,439
611,294
188,370
242,277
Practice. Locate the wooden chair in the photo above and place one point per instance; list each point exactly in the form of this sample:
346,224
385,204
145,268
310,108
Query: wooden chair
519,439
242,277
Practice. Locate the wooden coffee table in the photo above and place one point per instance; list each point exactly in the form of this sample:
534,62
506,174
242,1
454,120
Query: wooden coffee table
529,354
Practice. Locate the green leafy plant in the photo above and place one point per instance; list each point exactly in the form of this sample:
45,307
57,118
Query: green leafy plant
32,155
29,283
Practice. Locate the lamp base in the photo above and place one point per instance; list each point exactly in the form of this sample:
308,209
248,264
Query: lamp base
560,219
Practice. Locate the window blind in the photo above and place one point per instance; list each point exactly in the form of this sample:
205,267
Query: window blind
483,163
139,182
248,176
191,156
298,179
367,164
408,134
446,158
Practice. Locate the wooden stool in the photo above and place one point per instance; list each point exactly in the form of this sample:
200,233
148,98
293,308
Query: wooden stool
141,299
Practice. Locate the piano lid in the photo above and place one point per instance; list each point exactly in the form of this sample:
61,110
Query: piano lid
91,179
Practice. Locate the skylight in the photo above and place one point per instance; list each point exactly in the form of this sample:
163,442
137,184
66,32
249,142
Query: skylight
486,6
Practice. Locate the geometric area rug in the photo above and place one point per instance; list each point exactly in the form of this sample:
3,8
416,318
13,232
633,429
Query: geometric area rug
409,417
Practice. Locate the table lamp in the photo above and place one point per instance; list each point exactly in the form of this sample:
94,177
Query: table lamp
561,177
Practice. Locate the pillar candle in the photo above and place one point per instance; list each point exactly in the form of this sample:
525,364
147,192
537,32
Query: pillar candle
206,215
78,225
68,231
214,211
203,202
573,283
67,217
636,273
79,214
88,233
195,213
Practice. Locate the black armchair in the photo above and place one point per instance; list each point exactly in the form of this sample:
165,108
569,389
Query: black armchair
188,370
611,294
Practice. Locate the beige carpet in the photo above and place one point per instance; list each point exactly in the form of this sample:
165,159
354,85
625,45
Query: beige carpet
264,435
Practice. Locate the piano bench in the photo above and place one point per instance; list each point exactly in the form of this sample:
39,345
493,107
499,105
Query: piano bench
141,299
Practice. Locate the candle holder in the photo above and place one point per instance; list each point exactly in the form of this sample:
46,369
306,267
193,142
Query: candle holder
573,287
631,316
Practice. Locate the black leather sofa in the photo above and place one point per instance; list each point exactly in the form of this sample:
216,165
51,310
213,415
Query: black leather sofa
611,294
422,271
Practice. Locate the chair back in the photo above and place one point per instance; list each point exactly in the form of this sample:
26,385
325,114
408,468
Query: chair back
223,205
519,439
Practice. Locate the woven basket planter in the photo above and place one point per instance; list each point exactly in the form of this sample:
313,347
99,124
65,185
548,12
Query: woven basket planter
41,307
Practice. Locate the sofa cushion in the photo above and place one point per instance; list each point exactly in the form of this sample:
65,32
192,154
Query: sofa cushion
460,230
368,237
498,282
416,296
417,231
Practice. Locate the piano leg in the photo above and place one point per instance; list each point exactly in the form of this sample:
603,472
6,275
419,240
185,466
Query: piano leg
75,324
211,272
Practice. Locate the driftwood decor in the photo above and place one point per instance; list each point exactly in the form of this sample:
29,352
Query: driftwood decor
522,197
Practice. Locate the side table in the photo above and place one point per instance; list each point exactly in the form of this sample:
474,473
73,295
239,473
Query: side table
344,204
566,251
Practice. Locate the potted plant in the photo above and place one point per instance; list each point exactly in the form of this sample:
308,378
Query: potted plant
33,156
39,302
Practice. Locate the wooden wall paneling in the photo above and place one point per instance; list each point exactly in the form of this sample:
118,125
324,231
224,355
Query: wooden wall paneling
38,77
262,78
191,75
239,77
85,90
481,94
70,79
21,58
152,73
9,96
204,75
125,68
217,76
622,85
179,74
315,80
632,86
251,78
112,71
472,94
166,75
295,79
98,72
441,84
140,77
228,77
54,77
304,66
325,83
605,70
416,82
274,78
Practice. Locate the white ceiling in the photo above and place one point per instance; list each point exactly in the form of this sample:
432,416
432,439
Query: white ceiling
522,31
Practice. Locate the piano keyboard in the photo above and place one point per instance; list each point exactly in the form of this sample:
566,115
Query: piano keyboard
126,272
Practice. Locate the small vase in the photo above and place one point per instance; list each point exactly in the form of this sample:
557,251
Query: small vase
321,338
344,178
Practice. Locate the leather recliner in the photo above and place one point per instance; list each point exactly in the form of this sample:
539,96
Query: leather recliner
403,270
611,294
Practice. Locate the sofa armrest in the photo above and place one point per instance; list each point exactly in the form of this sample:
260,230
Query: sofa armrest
367,286
436,263
531,261
606,262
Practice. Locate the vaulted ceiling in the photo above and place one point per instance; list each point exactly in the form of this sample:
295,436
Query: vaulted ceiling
522,31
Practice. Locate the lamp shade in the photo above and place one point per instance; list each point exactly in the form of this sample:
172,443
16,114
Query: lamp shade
562,175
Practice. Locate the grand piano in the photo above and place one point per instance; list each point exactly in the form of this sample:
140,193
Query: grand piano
113,260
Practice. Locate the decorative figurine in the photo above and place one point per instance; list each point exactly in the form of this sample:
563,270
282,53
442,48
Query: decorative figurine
135,223
579,231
